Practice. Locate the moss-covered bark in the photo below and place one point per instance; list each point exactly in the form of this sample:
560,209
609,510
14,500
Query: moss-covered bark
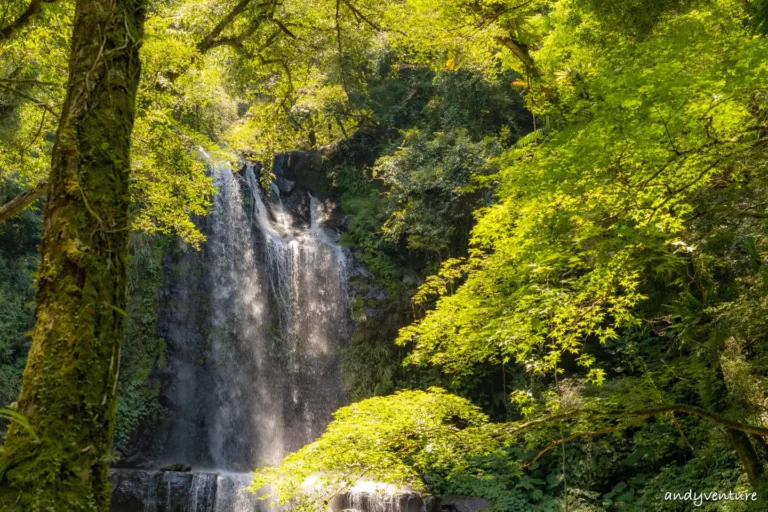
68,391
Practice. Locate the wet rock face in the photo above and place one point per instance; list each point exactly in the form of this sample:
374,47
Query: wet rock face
180,467
174,491
304,167
131,490
163,491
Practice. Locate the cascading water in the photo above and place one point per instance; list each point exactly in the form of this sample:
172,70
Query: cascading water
247,421
307,274
254,324
260,378
202,493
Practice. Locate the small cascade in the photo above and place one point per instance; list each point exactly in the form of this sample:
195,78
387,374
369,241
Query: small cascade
202,495
150,501
233,494
364,502
368,496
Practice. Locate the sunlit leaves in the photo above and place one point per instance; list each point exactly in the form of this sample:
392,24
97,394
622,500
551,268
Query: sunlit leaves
465,33
170,184
394,439
32,78
639,128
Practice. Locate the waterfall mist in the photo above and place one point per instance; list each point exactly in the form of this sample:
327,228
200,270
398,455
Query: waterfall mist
254,322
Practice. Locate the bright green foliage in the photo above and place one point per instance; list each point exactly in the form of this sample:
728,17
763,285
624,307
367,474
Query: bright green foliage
170,185
634,18
602,203
485,33
32,74
301,75
403,439
439,443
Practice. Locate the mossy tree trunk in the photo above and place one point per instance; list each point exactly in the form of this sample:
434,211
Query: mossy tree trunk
68,391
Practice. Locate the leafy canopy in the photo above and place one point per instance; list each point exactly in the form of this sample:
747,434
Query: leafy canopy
637,131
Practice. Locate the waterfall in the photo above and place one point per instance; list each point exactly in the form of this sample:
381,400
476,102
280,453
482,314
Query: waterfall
254,324
308,278
247,426
150,501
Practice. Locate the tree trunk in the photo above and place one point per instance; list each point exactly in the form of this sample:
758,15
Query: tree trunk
747,455
68,391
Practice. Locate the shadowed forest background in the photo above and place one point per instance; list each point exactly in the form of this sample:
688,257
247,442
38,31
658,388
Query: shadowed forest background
556,209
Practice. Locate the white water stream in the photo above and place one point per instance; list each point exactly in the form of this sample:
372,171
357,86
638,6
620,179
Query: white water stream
254,323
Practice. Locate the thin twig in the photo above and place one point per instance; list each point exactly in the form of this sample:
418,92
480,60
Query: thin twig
600,432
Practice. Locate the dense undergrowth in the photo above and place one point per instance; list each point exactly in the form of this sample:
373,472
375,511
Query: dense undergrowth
19,239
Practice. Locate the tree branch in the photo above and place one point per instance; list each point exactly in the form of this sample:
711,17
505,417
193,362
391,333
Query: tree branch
37,102
29,82
236,44
24,19
269,41
739,213
734,429
600,432
645,413
21,201
341,49
360,15
747,455
214,39
283,27
521,52
208,41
